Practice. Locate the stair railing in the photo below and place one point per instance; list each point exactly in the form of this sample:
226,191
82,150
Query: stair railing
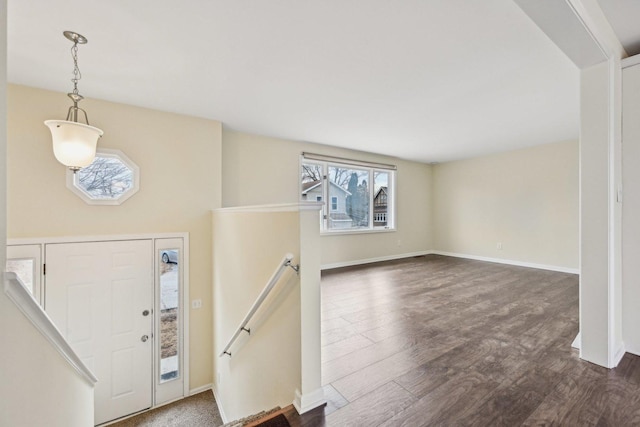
286,262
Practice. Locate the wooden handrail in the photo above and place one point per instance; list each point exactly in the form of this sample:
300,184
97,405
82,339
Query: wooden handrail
286,262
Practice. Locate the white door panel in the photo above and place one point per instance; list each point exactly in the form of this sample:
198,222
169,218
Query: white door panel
96,294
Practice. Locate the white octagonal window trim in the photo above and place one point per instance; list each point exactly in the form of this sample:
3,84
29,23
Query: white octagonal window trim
110,180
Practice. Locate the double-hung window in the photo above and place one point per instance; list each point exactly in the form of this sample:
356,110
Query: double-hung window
359,195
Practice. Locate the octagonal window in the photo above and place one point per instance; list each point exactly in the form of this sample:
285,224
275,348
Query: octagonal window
110,180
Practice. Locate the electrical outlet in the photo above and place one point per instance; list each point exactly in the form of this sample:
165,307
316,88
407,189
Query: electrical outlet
499,246
218,378
196,303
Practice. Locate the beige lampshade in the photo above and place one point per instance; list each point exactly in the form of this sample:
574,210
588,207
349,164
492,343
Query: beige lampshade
74,144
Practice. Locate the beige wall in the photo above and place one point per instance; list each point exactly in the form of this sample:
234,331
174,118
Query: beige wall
179,159
525,199
265,368
260,170
38,386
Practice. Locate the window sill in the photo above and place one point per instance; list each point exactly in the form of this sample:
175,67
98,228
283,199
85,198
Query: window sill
365,231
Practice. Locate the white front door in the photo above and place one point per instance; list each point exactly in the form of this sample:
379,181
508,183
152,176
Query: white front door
100,296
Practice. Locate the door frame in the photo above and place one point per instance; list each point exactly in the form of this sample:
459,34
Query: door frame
43,241
26,253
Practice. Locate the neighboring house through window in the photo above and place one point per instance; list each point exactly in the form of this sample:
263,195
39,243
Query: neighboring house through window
380,207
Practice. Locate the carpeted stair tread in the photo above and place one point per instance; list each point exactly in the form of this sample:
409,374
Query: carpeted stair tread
253,420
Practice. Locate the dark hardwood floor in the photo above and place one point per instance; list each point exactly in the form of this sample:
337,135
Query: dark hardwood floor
444,341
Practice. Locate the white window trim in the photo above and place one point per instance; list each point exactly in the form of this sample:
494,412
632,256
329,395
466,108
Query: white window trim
358,231
325,161
114,154
321,158
168,391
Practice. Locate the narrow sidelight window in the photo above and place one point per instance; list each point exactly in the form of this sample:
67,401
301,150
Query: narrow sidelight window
169,313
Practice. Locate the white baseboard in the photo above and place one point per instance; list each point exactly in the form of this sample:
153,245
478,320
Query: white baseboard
305,403
200,389
510,262
452,254
219,403
631,351
616,358
618,355
577,342
371,260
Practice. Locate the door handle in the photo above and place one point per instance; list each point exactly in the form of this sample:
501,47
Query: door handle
145,313
144,338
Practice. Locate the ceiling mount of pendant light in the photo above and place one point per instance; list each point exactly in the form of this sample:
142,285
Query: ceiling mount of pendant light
74,143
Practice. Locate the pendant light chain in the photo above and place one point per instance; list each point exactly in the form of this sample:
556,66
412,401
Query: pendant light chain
76,71
74,142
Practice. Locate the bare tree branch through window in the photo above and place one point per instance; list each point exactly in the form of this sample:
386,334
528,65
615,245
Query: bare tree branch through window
105,178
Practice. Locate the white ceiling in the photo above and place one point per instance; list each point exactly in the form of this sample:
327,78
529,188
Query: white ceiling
624,17
425,80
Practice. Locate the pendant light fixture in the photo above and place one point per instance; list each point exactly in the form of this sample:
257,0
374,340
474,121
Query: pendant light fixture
74,143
